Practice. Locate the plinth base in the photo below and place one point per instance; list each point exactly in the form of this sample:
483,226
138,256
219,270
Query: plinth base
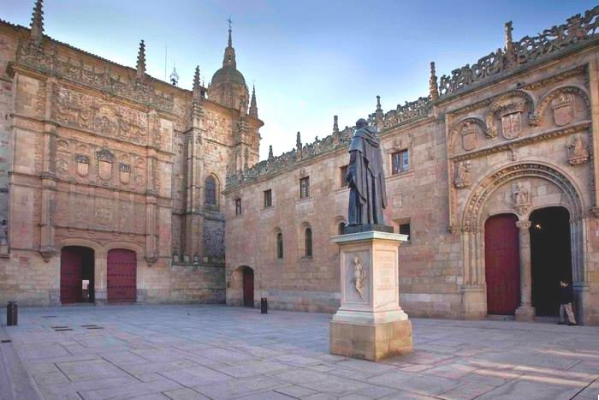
371,342
525,313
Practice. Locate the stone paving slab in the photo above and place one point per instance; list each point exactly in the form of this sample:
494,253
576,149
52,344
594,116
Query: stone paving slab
217,352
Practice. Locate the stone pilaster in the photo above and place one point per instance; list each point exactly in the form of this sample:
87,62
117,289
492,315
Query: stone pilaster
526,311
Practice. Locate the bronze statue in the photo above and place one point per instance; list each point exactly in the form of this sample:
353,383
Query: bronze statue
366,178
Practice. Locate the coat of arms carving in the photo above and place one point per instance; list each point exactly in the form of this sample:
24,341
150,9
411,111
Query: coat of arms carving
563,110
124,173
105,159
511,125
469,132
82,165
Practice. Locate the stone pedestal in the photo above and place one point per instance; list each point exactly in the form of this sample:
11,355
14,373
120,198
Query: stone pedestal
370,324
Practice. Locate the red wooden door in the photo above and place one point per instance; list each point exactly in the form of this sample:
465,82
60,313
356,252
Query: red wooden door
502,264
71,260
248,287
122,276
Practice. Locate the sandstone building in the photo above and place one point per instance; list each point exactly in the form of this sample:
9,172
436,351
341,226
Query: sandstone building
492,175
111,180
119,187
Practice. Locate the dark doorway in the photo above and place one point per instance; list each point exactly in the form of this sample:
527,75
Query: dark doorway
550,256
121,276
248,287
76,275
502,264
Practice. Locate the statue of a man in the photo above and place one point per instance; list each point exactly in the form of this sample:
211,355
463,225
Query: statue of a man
366,178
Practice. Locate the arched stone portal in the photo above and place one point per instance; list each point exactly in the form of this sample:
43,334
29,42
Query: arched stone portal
77,275
518,189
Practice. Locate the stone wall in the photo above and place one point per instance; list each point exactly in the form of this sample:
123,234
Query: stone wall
513,141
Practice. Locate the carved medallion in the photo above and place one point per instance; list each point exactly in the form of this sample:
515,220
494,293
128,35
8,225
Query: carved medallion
82,165
124,173
62,166
511,125
469,131
563,112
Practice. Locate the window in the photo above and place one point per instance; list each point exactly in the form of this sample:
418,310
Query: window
279,245
400,162
343,173
267,198
404,229
308,239
305,187
210,191
237,206
341,228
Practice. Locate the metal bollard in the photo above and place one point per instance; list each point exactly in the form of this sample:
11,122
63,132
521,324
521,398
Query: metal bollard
12,312
263,305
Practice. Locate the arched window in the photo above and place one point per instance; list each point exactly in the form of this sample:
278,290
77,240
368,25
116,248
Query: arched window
210,191
279,245
341,228
308,239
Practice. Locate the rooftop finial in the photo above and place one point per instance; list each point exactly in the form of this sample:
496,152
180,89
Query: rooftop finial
37,23
254,103
270,155
508,36
141,61
197,88
432,84
230,30
298,145
378,103
335,124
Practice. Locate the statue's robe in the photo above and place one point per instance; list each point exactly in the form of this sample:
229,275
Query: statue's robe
366,178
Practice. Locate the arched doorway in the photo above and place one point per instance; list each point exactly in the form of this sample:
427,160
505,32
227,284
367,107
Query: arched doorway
550,257
248,287
121,276
76,275
502,264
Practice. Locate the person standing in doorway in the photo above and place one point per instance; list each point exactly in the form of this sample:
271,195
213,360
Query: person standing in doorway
566,298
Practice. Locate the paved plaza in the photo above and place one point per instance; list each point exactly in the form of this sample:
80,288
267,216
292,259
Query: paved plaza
217,352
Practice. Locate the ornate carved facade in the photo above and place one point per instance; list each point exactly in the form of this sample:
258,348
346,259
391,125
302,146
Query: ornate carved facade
107,157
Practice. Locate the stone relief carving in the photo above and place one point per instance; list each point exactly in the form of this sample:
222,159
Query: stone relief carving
46,60
563,112
124,173
83,111
105,159
577,151
103,214
469,136
360,276
522,197
462,175
578,28
82,165
563,104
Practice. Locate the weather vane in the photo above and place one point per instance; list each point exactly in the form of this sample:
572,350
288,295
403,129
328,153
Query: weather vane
230,22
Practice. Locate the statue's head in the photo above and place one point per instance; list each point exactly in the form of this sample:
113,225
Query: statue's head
361,123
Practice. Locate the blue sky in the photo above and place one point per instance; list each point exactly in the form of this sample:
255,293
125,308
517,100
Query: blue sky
310,59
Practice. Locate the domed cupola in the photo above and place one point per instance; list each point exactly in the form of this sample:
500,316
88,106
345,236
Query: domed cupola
228,84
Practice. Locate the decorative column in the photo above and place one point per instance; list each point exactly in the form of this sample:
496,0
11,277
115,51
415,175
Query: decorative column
526,311
370,324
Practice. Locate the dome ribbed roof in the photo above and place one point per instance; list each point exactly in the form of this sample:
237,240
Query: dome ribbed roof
228,74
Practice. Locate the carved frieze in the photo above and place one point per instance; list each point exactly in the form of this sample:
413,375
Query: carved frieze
577,151
80,110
